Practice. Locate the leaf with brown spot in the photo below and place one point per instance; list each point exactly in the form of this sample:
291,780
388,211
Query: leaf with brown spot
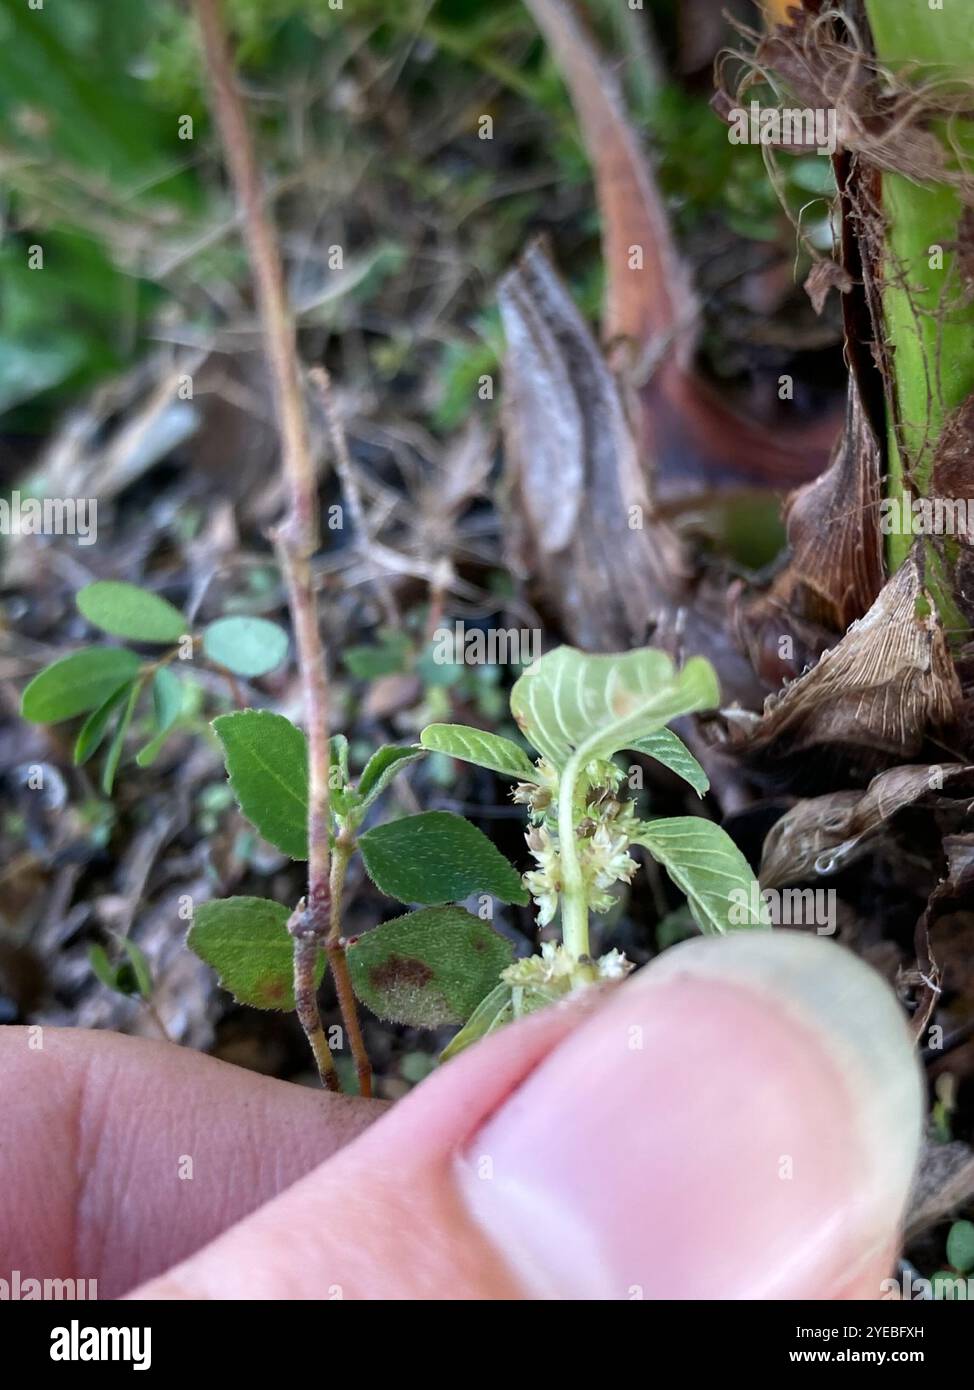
427,968
247,942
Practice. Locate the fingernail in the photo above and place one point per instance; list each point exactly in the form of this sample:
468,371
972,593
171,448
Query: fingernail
740,1120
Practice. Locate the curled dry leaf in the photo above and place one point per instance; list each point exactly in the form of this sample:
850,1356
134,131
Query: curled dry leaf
954,892
887,683
834,570
943,1185
580,518
822,834
690,437
581,525
656,301
826,275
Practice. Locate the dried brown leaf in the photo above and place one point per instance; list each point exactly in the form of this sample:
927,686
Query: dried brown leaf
944,1183
822,834
826,275
581,520
656,300
834,570
954,891
883,115
888,682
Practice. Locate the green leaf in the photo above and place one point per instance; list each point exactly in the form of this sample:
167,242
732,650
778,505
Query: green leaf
77,683
673,753
267,763
246,646
130,976
437,857
125,610
95,727
384,764
167,706
338,758
706,865
387,658
427,968
247,942
571,704
947,1286
960,1246
496,1009
118,738
480,748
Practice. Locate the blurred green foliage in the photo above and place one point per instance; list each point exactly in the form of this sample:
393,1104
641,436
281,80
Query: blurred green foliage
367,119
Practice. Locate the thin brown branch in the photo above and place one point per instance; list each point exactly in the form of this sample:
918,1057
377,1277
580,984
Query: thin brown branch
352,492
297,538
344,849
306,948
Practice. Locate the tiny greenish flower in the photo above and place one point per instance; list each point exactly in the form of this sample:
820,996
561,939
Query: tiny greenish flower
556,974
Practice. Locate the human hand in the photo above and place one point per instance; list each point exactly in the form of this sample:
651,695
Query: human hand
741,1119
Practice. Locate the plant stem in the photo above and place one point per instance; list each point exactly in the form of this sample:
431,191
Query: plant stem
306,948
928,320
344,849
321,381
574,904
297,538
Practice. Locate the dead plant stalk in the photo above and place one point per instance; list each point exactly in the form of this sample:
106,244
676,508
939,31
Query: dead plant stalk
296,541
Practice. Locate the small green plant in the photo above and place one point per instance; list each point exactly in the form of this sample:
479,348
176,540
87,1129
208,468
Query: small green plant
441,964
437,964
129,974
106,683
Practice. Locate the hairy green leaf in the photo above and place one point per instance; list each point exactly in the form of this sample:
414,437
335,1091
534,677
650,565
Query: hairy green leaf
77,683
246,646
125,610
427,968
673,753
95,727
706,865
267,763
572,704
480,748
247,942
437,857
384,764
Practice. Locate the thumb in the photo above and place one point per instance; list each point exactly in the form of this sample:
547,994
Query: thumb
740,1120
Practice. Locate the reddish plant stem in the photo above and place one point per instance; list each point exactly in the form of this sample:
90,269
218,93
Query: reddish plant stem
296,540
306,948
335,946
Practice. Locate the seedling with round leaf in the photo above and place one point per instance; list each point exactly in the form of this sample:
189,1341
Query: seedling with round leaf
106,684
